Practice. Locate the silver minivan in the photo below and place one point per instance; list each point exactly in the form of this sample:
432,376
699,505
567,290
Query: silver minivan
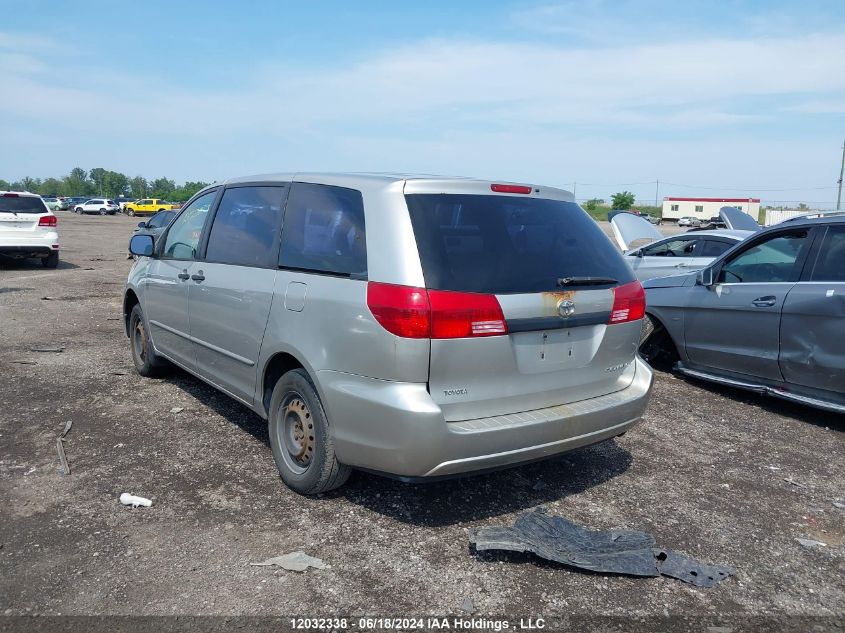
413,326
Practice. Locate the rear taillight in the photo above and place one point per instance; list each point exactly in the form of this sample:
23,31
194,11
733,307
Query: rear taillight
47,220
419,313
465,315
628,303
401,310
510,188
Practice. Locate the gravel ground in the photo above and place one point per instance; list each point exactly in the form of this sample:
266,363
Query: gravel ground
725,476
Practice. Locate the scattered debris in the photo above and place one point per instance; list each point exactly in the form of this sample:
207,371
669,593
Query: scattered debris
774,467
810,542
48,298
467,606
177,409
57,349
131,500
30,471
68,426
839,504
295,561
614,551
60,448
791,481
539,485
118,373
24,362
113,319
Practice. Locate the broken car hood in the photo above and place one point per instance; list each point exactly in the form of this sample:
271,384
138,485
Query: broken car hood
738,220
628,228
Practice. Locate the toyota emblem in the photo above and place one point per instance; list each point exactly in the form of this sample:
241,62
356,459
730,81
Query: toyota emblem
566,308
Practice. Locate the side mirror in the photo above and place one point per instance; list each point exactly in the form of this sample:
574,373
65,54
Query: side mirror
705,277
142,225
141,245
638,253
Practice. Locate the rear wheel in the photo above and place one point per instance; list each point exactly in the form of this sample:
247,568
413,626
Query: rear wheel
102,211
147,362
302,444
131,213
51,261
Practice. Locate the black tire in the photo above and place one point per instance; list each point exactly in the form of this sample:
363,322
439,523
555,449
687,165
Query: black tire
302,443
656,345
131,213
147,362
51,261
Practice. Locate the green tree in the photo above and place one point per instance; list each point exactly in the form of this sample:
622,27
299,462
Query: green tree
51,187
76,183
115,184
593,203
97,175
5,185
138,187
186,191
162,188
622,200
30,184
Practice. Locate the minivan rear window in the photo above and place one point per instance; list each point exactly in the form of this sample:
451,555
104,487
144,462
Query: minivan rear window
21,204
508,244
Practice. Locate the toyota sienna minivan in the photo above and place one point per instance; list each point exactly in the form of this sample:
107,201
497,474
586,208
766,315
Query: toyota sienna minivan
413,326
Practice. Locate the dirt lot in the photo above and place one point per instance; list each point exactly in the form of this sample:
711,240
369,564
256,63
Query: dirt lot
726,476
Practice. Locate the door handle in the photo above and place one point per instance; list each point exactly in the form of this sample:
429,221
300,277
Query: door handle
198,277
681,265
765,302
183,275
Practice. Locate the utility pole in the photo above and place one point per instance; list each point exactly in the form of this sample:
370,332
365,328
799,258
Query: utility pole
841,173
574,187
656,191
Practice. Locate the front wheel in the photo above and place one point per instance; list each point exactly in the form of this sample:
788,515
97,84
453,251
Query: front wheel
146,361
302,443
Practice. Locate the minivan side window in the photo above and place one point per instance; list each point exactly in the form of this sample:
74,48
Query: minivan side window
830,265
766,262
185,232
324,230
246,225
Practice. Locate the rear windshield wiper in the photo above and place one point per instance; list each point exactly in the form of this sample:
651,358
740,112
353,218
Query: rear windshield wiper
586,281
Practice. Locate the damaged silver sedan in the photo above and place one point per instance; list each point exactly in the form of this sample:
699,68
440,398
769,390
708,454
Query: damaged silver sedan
686,252
768,316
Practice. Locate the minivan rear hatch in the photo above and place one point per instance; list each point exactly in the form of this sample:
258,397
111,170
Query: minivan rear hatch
571,306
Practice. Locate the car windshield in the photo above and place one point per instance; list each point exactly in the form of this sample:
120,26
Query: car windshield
506,244
21,204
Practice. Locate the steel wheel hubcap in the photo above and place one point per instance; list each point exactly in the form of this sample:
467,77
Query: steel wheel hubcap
297,432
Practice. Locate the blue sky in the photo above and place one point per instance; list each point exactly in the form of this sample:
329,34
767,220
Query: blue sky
711,98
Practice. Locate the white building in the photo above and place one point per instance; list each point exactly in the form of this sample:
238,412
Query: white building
706,208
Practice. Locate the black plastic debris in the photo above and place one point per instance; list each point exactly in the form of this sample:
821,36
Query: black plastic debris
613,552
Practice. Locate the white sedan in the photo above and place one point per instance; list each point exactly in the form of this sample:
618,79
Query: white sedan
97,205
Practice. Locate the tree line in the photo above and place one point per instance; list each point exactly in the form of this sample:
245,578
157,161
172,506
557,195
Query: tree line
106,183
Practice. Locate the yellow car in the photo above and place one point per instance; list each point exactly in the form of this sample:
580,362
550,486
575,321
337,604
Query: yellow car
148,206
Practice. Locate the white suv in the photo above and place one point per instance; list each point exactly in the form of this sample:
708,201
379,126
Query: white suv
27,228
97,205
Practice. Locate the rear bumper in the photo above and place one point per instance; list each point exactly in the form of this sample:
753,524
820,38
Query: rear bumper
23,247
396,428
